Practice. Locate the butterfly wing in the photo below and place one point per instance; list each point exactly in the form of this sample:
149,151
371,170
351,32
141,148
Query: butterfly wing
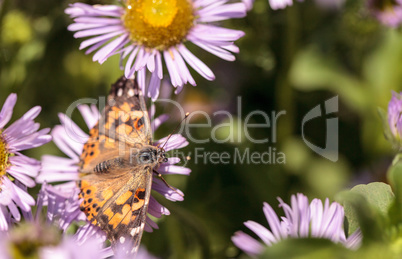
97,149
124,123
118,205
116,198
128,237
97,194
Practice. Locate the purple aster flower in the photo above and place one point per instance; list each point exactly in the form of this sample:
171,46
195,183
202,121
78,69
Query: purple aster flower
62,210
301,220
147,32
70,139
280,4
46,242
395,115
142,253
69,248
16,169
62,205
388,12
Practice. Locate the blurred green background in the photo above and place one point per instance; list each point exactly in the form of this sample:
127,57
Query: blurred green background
290,60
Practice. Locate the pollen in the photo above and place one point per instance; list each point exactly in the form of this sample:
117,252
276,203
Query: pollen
158,24
3,156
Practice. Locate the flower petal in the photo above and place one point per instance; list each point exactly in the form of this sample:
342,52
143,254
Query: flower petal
7,110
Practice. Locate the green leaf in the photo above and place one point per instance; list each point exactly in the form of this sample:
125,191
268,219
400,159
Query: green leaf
304,248
379,195
366,207
310,248
395,179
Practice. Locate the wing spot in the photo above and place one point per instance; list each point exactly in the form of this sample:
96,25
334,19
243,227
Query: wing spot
125,107
120,92
107,194
134,231
109,213
140,194
123,198
139,123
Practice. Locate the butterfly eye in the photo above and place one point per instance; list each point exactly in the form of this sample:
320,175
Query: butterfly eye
145,158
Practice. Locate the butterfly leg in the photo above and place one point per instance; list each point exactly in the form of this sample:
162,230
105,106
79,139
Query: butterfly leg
166,183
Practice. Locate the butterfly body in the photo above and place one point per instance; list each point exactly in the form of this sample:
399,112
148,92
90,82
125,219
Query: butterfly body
117,164
141,159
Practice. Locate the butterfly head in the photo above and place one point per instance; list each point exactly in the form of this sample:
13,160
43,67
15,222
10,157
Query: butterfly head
151,156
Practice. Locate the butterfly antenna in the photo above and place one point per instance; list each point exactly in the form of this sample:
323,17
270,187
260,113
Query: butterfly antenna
174,131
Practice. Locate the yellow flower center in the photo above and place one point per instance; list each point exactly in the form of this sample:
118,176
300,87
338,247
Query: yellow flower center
3,157
158,24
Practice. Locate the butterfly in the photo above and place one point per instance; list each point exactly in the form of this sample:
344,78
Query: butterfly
117,164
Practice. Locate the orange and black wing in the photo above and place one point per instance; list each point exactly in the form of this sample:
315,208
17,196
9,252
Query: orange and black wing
118,206
115,194
124,123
